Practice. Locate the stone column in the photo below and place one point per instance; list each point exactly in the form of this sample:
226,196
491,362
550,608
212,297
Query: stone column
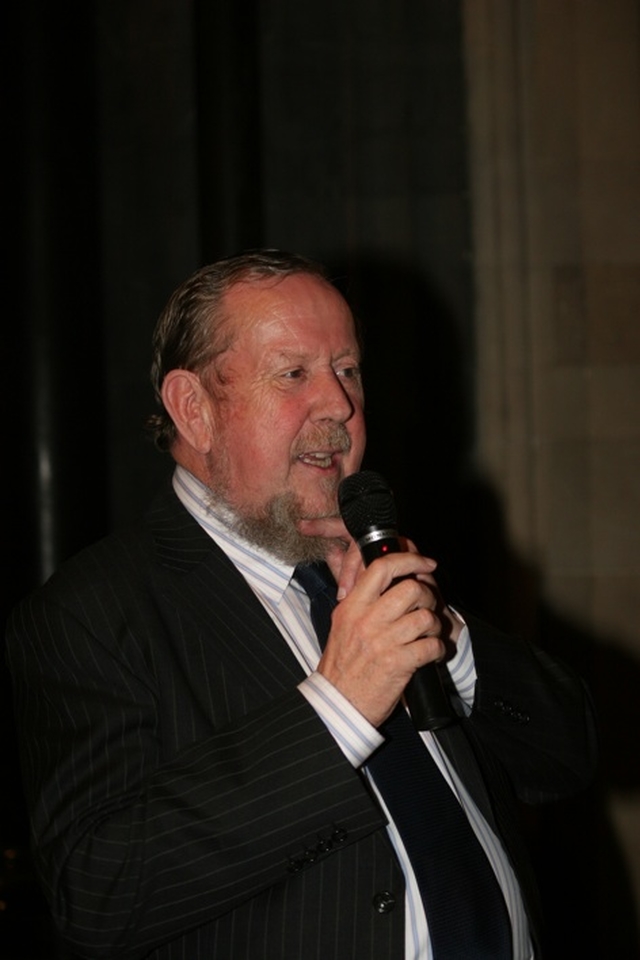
555,172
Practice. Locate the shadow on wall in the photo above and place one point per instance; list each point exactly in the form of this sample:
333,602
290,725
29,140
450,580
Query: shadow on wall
585,880
418,400
419,388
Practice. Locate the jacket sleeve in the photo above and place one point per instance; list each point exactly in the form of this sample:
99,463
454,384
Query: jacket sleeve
134,846
534,715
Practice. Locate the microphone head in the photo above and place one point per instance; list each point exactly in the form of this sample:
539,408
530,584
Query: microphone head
366,503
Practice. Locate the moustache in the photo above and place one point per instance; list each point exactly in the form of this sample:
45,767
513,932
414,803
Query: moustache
333,438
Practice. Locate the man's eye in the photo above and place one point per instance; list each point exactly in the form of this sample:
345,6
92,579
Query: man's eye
350,372
293,374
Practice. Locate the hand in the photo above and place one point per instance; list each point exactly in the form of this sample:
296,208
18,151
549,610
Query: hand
383,631
343,557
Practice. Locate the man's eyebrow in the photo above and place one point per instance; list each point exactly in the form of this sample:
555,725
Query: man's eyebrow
354,352
289,356
293,356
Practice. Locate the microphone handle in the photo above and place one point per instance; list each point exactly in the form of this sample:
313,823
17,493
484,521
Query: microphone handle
426,699
428,703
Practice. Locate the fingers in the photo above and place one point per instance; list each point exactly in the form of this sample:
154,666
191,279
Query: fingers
387,626
383,573
412,611
349,567
344,558
331,528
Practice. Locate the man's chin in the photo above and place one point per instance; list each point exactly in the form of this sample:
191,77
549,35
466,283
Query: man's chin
274,528
285,543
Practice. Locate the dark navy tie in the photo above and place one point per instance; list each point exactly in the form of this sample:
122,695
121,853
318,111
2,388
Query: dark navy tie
465,909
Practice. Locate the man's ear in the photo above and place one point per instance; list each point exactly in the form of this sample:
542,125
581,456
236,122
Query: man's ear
190,407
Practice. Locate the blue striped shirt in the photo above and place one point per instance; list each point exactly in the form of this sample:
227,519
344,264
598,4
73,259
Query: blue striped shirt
288,604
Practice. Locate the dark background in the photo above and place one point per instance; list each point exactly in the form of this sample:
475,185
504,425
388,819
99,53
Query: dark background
144,138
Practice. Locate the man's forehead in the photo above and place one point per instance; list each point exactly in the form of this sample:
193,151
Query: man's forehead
263,301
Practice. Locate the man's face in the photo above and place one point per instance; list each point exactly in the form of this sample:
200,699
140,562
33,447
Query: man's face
288,417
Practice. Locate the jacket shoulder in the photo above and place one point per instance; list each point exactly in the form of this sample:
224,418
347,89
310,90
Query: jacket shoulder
127,561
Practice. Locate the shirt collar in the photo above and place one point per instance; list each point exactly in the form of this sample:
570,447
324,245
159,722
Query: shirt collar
264,573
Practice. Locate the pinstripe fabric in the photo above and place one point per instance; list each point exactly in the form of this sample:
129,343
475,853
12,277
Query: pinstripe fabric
176,778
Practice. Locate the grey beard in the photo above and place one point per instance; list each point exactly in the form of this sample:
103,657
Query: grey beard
275,530
274,526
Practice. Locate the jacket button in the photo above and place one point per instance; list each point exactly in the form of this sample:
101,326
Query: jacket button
339,835
384,902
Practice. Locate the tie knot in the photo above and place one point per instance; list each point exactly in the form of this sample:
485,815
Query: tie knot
314,577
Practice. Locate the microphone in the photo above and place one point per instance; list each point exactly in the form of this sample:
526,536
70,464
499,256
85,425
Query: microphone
369,513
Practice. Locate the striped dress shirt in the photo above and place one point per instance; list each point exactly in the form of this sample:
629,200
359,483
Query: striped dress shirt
288,605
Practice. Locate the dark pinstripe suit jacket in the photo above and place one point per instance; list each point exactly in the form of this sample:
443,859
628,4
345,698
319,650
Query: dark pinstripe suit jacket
186,800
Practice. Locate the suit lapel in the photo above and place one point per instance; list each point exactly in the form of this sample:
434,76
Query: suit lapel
198,577
455,743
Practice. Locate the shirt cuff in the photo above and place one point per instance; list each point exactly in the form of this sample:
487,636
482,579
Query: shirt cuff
462,668
355,736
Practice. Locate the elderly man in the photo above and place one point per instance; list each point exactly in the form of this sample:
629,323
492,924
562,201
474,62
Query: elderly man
208,775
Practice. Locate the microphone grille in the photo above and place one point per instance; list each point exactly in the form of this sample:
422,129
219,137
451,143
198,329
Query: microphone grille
366,502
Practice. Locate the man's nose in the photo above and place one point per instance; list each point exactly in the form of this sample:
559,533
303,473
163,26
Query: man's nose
331,400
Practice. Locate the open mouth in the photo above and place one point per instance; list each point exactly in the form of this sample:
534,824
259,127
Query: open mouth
323,449
317,458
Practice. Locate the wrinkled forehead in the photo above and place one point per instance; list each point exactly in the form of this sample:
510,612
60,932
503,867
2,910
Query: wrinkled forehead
300,302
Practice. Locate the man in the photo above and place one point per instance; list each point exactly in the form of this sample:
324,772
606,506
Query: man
201,775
